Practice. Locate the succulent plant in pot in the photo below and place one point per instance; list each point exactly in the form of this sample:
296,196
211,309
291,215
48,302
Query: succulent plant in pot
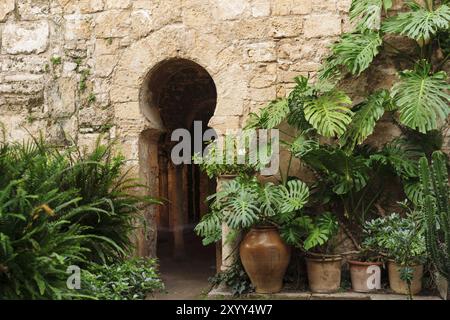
402,241
260,210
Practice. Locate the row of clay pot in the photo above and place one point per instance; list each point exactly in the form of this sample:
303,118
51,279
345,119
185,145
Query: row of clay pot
265,258
324,275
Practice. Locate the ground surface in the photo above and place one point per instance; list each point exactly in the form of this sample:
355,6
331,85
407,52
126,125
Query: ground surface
221,294
186,277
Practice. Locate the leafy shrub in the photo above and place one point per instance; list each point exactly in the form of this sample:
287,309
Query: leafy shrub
128,280
93,181
58,208
36,248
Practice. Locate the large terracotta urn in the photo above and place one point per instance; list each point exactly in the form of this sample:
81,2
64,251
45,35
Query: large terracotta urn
265,258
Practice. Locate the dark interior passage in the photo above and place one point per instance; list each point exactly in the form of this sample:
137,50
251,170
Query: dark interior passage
183,92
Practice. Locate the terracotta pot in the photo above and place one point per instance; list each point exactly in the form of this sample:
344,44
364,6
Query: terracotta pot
324,273
265,258
399,286
365,276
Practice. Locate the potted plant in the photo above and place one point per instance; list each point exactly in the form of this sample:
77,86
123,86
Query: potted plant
317,237
365,271
436,211
225,159
259,209
402,241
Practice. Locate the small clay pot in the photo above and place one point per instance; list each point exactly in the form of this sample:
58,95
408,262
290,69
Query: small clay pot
365,276
399,286
324,273
442,285
265,258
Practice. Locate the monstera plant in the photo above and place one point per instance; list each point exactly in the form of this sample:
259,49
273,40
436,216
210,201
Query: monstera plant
259,210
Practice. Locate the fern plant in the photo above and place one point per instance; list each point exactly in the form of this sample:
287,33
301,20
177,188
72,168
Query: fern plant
61,207
436,210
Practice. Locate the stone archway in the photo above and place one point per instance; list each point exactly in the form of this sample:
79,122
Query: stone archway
180,92
138,126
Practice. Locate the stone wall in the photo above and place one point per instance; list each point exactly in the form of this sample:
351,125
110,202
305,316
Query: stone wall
75,68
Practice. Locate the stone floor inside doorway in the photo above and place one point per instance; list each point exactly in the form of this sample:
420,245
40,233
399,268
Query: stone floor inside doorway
186,277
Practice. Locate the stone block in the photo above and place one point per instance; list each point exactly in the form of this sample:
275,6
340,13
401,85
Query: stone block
230,9
260,8
104,65
322,25
77,27
112,24
260,52
288,7
25,37
118,4
283,27
6,6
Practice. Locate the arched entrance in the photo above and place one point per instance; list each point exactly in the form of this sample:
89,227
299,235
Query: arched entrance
179,92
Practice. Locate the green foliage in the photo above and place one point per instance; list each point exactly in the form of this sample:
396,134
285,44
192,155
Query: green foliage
436,210
230,156
365,119
367,13
129,280
235,278
319,106
271,116
419,23
354,51
312,234
402,157
56,60
83,79
58,208
421,97
342,171
320,232
399,238
35,248
245,202
329,113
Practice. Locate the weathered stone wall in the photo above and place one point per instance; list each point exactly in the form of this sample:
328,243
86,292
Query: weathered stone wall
75,68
